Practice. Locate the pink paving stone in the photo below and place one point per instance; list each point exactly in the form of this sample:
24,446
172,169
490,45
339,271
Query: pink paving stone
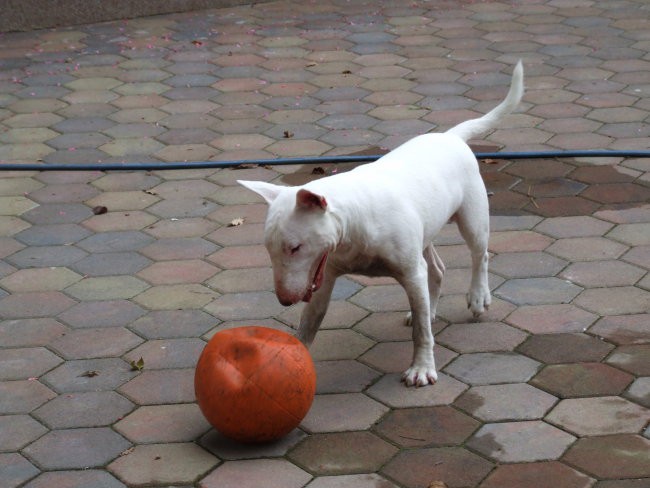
395,357
587,249
615,300
582,379
548,319
238,235
518,241
486,336
602,274
623,329
270,473
527,441
542,474
599,416
340,315
115,221
241,257
611,457
30,332
342,412
34,304
75,479
247,305
95,343
351,481
188,227
241,280
173,272
578,226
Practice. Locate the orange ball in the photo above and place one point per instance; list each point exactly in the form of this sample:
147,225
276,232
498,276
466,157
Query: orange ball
254,384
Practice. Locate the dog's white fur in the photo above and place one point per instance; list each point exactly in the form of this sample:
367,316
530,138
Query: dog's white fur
380,219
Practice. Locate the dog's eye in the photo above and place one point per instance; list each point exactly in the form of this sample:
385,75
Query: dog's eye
295,249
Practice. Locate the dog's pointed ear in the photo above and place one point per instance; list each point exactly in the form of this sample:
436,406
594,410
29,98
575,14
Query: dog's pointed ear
268,191
310,201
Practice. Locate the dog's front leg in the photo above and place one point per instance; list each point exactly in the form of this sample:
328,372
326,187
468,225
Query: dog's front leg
315,310
423,369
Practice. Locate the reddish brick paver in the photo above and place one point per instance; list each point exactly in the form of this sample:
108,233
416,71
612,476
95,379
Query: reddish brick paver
549,389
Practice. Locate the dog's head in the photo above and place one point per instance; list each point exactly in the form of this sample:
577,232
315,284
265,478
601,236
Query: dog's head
300,232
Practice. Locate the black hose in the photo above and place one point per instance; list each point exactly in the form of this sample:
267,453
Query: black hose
154,166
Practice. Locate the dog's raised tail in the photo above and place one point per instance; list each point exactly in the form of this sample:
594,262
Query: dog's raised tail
472,128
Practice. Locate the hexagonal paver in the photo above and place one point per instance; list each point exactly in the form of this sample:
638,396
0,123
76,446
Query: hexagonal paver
612,457
89,375
173,272
24,363
526,264
565,348
486,368
19,430
453,466
633,358
553,318
168,353
542,474
517,401
171,297
342,412
538,291
521,441
23,396
623,329
582,379
16,469
74,479
163,464
34,304
107,287
272,473
433,426
586,249
483,337
343,453
89,343
599,416
77,448
602,273
164,386
163,423
615,300
87,409
40,279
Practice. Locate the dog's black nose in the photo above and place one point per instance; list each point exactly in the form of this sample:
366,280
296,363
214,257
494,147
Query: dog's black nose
285,302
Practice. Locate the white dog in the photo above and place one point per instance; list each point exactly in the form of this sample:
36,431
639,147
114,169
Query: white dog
379,220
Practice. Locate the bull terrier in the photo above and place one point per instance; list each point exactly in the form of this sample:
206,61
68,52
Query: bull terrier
379,220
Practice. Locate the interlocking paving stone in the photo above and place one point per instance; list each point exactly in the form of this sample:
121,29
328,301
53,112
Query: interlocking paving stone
273,473
89,409
75,479
613,456
25,363
342,412
486,368
518,401
542,474
19,430
565,348
77,448
598,416
163,464
163,423
503,441
582,379
342,453
16,469
454,466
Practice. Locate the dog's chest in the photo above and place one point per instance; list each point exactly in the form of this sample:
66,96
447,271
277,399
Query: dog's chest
362,264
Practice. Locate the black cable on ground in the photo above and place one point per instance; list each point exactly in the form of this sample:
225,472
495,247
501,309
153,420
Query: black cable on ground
155,166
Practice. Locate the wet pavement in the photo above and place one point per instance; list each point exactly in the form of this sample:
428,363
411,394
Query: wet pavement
550,389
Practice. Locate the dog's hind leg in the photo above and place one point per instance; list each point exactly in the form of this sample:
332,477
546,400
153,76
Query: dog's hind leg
423,369
435,271
314,313
474,225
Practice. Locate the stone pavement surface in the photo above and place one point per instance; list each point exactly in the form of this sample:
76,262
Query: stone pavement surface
550,389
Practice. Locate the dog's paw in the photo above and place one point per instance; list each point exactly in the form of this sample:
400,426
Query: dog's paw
420,376
479,302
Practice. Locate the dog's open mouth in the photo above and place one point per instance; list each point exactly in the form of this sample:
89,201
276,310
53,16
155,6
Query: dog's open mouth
318,278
